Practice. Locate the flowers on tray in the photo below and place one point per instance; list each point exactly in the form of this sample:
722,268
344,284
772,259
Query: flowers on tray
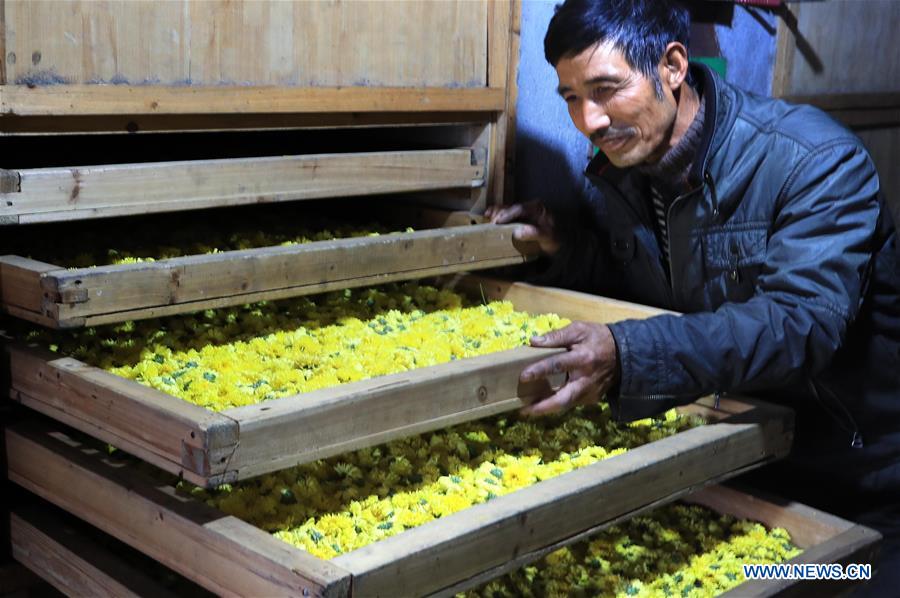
336,505
226,358
676,550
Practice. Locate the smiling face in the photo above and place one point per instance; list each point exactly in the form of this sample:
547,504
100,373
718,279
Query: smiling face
616,107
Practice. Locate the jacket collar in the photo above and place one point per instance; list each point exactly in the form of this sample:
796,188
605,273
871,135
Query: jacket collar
709,87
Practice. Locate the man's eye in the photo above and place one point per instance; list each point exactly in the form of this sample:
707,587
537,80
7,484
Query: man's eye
569,99
603,92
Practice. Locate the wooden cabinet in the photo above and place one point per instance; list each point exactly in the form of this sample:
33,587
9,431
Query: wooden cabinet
443,73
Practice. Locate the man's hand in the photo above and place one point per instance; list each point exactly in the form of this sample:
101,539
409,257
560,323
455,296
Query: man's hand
590,365
536,223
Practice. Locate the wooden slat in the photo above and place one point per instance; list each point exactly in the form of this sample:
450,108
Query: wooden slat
512,96
314,425
46,542
499,24
446,551
50,194
263,296
180,435
568,304
190,283
111,100
128,124
221,553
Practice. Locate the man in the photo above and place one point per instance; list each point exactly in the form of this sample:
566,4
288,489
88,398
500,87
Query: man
759,220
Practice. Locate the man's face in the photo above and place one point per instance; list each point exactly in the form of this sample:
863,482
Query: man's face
615,106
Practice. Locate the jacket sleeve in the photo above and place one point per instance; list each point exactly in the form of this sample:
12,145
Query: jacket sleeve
809,291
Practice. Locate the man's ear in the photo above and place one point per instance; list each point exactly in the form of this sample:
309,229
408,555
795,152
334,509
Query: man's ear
673,67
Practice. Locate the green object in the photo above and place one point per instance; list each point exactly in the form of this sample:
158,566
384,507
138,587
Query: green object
716,63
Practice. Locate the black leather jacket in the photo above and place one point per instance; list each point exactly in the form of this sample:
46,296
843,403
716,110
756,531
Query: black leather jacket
784,260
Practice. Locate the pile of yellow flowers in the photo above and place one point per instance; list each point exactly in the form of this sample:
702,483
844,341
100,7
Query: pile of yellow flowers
241,356
340,504
677,550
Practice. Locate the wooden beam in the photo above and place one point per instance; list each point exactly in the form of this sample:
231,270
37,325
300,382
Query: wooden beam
185,284
499,25
173,433
490,534
219,552
133,124
54,546
84,100
322,423
53,194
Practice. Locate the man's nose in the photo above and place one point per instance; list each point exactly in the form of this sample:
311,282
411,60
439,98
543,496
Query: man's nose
594,117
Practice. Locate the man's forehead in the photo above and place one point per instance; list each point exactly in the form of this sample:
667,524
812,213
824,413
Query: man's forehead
599,62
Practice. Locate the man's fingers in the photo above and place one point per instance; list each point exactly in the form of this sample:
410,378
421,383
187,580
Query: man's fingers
507,214
566,397
563,337
557,364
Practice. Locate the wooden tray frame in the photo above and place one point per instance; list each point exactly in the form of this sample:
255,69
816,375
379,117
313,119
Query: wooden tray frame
63,551
238,558
211,448
79,192
57,297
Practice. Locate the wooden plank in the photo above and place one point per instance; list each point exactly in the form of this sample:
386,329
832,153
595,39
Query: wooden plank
113,190
182,436
443,552
129,124
278,434
568,304
784,51
111,100
499,25
217,42
512,96
221,553
53,547
238,276
264,296
20,282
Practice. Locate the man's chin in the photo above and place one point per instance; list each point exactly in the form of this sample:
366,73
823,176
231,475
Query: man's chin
626,160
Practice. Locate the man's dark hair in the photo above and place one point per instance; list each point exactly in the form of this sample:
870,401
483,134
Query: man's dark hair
640,29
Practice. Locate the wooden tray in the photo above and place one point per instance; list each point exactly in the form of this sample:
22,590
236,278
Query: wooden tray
226,555
57,297
210,448
31,195
80,560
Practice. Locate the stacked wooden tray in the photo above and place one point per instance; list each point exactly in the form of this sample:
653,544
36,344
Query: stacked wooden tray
226,555
210,448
